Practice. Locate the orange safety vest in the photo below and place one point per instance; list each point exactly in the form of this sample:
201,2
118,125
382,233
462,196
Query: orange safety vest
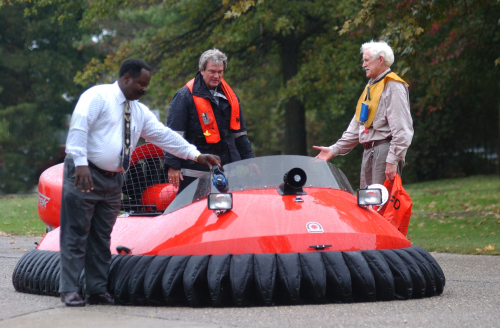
206,113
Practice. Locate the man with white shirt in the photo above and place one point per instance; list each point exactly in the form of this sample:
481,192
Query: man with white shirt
105,128
207,113
387,129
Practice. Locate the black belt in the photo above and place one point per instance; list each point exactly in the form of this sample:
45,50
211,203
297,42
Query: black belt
103,172
368,145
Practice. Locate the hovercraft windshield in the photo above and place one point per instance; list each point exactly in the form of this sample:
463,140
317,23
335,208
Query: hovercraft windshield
264,173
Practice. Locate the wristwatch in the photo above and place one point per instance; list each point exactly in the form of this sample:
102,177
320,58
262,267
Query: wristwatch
196,158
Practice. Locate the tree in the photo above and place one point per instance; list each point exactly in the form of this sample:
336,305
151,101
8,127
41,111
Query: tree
448,51
451,51
269,48
38,62
284,57
296,67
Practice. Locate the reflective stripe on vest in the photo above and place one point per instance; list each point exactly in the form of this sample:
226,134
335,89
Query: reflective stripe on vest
206,113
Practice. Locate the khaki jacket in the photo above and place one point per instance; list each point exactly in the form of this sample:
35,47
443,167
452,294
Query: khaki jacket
393,119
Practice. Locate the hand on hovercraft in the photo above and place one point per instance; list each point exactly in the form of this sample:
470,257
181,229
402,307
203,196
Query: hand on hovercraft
208,160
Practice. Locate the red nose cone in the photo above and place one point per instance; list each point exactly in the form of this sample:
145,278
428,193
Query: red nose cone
49,195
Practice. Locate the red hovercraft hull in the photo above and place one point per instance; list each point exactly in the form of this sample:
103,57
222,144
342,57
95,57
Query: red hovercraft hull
314,247
279,226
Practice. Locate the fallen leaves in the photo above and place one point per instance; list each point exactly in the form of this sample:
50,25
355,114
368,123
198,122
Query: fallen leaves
485,249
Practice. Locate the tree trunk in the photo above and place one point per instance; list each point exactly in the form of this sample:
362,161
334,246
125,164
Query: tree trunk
295,123
498,144
295,129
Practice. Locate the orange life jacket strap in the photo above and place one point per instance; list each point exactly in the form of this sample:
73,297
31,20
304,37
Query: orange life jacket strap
235,106
206,116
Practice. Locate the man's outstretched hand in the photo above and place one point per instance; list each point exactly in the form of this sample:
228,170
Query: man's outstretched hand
208,160
325,153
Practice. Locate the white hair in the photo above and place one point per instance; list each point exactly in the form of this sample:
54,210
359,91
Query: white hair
214,55
379,48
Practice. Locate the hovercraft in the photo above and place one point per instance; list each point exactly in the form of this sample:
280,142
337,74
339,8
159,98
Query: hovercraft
264,231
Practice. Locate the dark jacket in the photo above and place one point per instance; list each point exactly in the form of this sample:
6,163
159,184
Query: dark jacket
183,118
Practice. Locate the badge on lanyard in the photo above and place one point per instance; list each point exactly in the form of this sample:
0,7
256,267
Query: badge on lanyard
204,117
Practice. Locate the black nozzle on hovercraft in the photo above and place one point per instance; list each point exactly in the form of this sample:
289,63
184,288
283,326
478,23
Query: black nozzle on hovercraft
293,181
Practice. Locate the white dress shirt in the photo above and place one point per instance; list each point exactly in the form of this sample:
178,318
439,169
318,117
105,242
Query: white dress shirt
96,129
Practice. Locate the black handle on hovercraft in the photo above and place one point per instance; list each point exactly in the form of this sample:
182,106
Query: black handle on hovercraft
219,179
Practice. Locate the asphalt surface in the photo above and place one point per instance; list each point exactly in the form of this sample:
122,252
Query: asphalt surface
471,298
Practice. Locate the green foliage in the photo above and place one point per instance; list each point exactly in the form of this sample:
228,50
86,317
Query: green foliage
447,51
281,54
26,149
436,45
462,92
38,61
294,52
278,51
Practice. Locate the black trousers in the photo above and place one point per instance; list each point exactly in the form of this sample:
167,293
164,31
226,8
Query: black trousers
87,220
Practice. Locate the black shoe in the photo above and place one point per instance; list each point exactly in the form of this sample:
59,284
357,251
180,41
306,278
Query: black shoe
101,298
72,299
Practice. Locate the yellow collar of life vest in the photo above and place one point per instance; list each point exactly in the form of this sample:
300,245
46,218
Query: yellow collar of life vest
371,96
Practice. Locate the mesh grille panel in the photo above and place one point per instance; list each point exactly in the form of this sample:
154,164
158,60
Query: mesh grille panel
145,189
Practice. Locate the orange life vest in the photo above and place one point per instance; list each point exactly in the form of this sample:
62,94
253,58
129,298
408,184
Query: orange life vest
206,114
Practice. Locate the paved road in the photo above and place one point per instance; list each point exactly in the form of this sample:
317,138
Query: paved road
471,299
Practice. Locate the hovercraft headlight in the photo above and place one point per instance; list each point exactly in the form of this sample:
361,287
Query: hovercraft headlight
220,202
372,195
367,197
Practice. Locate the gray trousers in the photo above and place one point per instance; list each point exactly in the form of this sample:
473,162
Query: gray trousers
87,220
374,163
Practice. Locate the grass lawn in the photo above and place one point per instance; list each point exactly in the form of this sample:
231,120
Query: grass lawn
19,216
456,215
